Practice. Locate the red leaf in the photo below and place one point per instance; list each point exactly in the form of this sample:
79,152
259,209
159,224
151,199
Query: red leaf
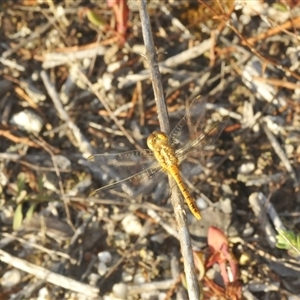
220,253
121,12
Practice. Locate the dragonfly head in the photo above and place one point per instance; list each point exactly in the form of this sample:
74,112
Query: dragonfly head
155,138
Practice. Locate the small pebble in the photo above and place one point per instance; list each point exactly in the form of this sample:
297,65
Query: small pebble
211,273
107,81
139,279
248,230
27,120
102,268
225,206
3,179
201,203
120,291
93,279
113,67
127,277
43,294
11,278
226,189
132,225
247,168
105,257
289,149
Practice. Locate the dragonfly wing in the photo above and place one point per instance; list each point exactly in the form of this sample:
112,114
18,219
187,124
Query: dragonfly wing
130,173
190,125
147,183
204,143
191,167
213,132
121,165
192,157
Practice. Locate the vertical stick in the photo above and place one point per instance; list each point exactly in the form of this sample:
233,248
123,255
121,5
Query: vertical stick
184,236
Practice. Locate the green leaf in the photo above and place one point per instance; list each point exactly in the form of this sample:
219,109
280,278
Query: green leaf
30,211
288,240
280,7
18,217
40,185
96,19
21,182
21,196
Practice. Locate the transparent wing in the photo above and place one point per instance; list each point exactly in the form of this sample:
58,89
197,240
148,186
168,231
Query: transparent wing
147,183
191,125
129,173
192,156
191,137
122,165
204,142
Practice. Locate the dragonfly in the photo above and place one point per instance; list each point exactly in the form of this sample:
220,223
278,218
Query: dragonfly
139,172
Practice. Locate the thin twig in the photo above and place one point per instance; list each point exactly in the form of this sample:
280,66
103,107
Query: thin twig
258,204
99,94
48,276
162,111
34,245
176,274
184,237
83,144
60,183
281,154
169,64
101,97
35,35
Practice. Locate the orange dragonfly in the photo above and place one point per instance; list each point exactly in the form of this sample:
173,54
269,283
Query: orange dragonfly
138,172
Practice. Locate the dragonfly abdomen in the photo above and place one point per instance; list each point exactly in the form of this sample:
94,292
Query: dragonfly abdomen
175,172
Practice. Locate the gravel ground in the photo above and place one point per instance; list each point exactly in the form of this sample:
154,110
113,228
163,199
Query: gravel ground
76,81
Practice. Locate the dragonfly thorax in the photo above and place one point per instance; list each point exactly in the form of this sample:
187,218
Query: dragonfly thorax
158,142
156,138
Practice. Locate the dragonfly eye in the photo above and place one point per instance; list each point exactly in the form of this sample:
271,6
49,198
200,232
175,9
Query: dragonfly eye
151,141
156,137
161,135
